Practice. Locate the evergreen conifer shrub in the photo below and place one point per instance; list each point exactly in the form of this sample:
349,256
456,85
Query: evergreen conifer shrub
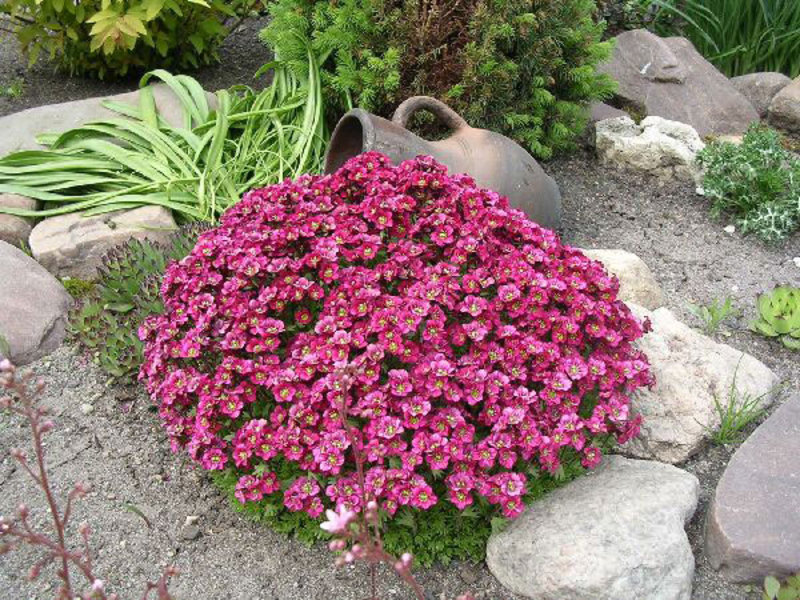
525,68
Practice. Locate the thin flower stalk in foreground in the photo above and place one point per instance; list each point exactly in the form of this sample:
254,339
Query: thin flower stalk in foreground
71,564
357,534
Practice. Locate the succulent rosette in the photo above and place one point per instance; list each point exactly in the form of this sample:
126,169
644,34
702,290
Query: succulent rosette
484,349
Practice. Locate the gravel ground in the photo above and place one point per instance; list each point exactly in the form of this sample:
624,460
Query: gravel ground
241,56
120,449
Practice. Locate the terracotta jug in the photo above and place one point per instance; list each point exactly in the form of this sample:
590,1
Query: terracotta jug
493,160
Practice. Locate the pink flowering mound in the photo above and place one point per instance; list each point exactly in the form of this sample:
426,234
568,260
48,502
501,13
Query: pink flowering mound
484,348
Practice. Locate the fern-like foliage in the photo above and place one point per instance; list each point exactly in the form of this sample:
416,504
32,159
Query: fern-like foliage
522,67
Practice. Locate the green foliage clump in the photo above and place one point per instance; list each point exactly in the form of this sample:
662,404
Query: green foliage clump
737,36
105,321
779,315
110,38
714,314
624,15
789,590
441,534
525,68
196,169
757,181
77,288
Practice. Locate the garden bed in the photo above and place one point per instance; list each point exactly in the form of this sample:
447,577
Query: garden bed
111,437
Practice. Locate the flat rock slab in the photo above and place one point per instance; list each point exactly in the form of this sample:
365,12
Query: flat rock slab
659,147
614,534
784,110
73,245
20,129
691,370
636,281
760,88
667,77
34,306
753,525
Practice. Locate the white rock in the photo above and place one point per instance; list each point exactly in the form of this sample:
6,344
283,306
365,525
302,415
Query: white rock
636,281
87,408
614,534
691,370
796,261
731,229
666,149
73,245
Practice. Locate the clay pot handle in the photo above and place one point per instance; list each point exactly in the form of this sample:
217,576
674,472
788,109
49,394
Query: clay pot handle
443,112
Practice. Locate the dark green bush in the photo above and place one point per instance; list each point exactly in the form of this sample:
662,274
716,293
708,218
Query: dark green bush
522,67
109,38
106,318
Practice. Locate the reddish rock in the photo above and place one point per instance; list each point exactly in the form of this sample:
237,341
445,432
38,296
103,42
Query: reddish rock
667,77
753,525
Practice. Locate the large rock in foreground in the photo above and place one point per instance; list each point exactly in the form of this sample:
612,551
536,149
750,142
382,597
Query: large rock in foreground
636,281
667,77
784,110
614,534
73,245
760,88
665,149
753,526
691,370
34,306
20,129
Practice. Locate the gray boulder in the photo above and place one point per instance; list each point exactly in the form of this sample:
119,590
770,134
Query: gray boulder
15,230
614,534
784,110
753,525
760,88
636,281
667,77
73,245
658,147
691,370
20,129
34,306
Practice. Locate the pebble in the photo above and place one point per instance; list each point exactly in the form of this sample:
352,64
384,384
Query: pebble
190,532
87,408
731,229
796,261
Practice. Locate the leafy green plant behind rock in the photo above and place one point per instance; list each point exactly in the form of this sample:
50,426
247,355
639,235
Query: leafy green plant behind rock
524,68
111,38
779,315
105,321
757,182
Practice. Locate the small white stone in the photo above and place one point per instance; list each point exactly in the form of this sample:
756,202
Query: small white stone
87,408
796,261
730,229
191,519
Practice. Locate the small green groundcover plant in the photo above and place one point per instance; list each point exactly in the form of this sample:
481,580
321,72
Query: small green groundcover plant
757,182
489,361
110,38
108,313
714,314
788,590
779,315
522,67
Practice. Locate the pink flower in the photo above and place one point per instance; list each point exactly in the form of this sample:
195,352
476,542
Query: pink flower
338,522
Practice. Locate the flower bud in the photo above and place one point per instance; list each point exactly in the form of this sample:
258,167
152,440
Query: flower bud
407,559
34,572
23,511
18,454
47,426
348,557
